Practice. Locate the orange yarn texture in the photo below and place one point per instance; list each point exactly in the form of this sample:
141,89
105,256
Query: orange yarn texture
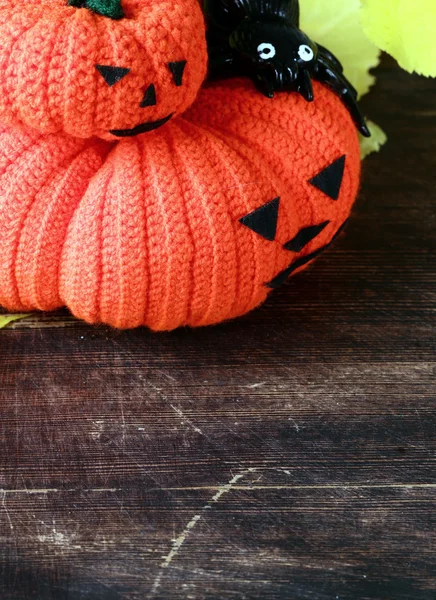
152,230
50,53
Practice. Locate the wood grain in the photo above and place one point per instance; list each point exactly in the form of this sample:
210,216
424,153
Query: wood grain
287,455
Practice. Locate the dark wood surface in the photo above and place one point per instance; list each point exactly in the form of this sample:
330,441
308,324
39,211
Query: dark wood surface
287,455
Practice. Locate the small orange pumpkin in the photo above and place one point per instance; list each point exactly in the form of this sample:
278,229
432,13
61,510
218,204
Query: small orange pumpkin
112,68
189,225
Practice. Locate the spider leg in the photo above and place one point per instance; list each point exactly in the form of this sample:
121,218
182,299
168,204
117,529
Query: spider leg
330,59
265,79
305,87
264,84
325,73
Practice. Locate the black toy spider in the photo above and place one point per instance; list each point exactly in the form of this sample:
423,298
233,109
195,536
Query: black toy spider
261,39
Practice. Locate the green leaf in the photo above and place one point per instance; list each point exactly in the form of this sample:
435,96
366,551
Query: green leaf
106,8
374,143
404,28
336,25
6,319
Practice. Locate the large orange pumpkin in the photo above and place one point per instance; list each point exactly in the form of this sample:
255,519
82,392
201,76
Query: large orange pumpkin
189,225
112,68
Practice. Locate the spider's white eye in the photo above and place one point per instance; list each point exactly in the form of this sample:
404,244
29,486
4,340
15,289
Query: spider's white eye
305,53
266,51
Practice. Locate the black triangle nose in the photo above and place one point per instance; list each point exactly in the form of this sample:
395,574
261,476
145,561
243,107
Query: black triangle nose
149,97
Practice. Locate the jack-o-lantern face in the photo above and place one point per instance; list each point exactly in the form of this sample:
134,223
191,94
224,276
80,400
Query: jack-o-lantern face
112,68
264,220
112,75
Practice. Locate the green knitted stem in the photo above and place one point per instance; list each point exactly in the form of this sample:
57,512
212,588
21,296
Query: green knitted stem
107,8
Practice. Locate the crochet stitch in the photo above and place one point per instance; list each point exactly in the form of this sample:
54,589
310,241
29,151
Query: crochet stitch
73,69
191,224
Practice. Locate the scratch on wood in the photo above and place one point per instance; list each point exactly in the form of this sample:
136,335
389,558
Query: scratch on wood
5,508
178,542
166,375
185,418
59,539
253,386
295,424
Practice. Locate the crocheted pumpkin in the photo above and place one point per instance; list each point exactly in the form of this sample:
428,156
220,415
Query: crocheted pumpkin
189,225
112,68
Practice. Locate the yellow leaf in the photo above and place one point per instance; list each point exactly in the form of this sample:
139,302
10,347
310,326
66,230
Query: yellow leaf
404,28
336,25
6,319
374,143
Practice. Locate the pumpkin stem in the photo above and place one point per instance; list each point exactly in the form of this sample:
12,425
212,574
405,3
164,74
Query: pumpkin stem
106,8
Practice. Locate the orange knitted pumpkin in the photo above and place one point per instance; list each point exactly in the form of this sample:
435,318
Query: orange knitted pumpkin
188,225
112,68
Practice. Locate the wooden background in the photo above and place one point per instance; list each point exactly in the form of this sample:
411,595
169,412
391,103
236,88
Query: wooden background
287,455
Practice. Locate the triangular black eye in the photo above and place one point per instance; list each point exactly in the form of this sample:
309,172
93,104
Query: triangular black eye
112,75
329,180
177,69
305,236
263,220
149,97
